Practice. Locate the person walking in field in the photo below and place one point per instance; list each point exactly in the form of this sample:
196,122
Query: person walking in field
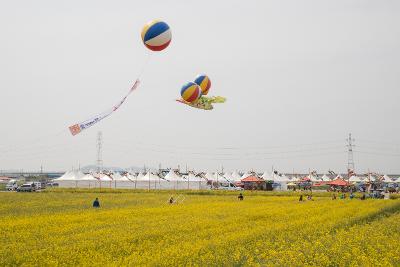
301,198
240,197
96,203
334,196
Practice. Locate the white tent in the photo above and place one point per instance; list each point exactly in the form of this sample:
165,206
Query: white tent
236,176
149,176
68,176
193,178
266,176
139,176
71,176
338,177
173,176
355,179
211,177
284,178
373,178
106,178
88,177
325,178
387,179
228,177
294,179
313,178
118,177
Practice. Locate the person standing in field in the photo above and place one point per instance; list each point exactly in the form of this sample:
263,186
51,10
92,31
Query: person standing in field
96,203
334,196
240,197
171,200
363,197
301,198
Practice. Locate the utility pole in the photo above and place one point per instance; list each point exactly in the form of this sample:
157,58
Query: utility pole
99,161
350,160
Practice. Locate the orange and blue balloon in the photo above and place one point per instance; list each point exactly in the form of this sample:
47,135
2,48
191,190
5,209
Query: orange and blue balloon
204,82
190,92
156,35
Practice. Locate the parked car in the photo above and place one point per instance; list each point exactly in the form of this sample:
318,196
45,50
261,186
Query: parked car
37,185
12,185
26,188
52,184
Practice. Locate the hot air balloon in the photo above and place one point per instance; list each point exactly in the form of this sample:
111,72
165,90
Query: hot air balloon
156,35
190,92
204,82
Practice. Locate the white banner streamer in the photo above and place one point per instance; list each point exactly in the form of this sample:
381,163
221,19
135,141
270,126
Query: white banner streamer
79,127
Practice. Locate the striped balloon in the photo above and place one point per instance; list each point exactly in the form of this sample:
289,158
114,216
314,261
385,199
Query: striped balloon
190,92
204,82
156,35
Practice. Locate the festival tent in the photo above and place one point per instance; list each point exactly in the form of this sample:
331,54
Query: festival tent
68,176
210,177
294,179
192,178
247,174
88,177
313,178
355,179
279,178
228,176
71,176
372,178
266,176
139,176
104,178
173,176
387,179
236,176
118,177
149,176
339,177
284,178
325,178
338,182
253,181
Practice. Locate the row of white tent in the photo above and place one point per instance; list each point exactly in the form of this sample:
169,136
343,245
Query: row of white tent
173,175
77,176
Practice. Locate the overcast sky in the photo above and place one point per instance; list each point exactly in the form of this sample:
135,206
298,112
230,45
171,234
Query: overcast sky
299,76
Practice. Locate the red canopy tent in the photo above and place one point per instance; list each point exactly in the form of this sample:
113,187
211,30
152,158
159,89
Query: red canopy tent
253,182
252,179
338,182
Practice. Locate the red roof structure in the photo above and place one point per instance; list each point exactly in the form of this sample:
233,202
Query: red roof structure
252,178
338,182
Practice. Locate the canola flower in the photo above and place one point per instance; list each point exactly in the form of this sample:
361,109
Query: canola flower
140,229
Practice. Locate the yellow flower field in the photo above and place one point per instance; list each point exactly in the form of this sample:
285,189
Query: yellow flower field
205,229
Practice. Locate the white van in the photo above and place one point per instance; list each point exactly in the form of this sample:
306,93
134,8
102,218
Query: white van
38,185
12,185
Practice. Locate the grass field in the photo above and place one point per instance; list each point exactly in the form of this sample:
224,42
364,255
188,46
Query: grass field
140,228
